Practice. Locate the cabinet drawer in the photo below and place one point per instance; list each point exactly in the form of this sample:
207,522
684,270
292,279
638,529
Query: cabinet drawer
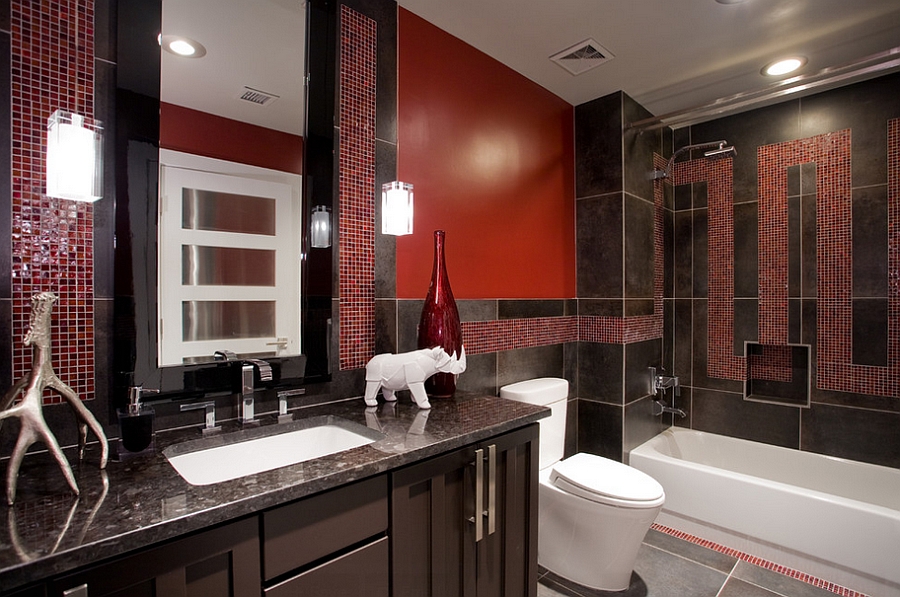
360,573
312,528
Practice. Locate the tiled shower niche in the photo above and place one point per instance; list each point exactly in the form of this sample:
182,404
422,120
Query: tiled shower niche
779,374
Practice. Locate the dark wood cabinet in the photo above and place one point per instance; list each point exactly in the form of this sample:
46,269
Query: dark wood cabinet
222,562
464,524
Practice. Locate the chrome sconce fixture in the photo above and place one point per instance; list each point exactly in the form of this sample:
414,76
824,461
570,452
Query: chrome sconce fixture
397,208
320,228
74,158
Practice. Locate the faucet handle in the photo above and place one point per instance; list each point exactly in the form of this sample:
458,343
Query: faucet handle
209,407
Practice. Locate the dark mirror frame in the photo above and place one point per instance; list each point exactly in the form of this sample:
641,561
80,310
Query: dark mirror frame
136,176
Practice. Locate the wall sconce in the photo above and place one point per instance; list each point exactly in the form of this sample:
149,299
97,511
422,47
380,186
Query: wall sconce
397,208
320,227
74,158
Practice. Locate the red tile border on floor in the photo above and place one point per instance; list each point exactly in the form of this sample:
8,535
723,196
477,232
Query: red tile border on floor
750,559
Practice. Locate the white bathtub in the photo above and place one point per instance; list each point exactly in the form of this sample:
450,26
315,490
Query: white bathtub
835,519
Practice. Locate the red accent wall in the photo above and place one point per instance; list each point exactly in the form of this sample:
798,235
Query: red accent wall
199,133
491,155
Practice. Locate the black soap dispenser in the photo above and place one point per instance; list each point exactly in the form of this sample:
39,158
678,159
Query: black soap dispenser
136,431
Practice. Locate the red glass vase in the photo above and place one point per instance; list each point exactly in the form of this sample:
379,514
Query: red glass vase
439,324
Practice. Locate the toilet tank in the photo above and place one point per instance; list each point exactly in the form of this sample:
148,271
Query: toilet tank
551,392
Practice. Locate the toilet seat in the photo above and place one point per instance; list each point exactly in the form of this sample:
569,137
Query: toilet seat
606,481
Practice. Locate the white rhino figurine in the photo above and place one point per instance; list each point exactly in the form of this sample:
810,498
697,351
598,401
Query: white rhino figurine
392,372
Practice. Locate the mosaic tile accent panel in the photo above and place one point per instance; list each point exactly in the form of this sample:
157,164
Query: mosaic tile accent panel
756,561
774,364
52,240
718,174
357,188
509,334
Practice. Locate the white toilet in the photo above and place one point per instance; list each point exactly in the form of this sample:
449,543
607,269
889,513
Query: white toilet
594,512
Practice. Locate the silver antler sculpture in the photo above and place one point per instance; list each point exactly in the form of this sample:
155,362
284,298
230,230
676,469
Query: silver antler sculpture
29,408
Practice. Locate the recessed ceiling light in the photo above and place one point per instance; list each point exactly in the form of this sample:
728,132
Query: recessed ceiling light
729,1
182,46
783,66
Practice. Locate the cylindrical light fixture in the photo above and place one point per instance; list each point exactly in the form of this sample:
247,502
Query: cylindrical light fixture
397,208
74,158
320,228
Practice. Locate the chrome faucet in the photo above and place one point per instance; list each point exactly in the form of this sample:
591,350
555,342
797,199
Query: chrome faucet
658,386
246,406
209,420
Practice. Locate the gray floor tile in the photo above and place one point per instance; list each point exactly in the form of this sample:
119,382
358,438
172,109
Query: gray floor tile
691,551
779,583
739,588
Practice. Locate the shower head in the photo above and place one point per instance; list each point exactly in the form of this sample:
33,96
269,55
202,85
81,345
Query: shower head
722,151
716,150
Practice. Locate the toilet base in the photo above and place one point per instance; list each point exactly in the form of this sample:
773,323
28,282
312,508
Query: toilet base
592,544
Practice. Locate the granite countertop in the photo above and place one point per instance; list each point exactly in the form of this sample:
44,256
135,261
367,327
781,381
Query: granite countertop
142,501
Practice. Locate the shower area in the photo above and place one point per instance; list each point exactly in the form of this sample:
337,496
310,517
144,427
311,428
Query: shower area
748,256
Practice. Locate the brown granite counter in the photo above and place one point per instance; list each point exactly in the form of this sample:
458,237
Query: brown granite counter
142,501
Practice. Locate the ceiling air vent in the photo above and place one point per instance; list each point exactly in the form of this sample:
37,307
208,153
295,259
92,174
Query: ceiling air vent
255,96
582,57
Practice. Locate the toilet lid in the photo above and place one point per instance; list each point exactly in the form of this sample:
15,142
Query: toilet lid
603,480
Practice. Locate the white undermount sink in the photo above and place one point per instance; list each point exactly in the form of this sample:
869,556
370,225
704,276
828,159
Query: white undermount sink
235,455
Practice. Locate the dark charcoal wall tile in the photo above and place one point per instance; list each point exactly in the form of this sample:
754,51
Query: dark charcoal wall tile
700,194
639,250
385,244
638,357
683,197
600,370
639,147
699,362
480,375
683,257
103,362
700,276
857,434
636,307
746,132
746,323
669,254
105,32
683,335
870,241
600,429
729,414
386,326
571,426
870,332
795,255
599,246
793,180
529,363
865,108
795,321
641,424
601,307
808,280
598,146
746,250
515,309
105,209
684,402
6,347
477,310
667,361
408,314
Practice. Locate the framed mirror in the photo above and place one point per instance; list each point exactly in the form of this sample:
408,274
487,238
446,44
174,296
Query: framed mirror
213,258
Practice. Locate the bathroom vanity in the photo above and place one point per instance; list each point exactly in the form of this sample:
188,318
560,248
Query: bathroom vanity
388,518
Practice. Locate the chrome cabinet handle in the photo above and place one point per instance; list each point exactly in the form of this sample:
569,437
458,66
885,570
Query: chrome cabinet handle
492,489
479,495
79,591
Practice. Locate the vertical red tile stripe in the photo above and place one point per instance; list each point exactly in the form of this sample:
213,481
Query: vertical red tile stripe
52,240
357,188
722,362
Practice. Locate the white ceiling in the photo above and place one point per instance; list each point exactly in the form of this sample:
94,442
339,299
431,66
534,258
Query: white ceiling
669,55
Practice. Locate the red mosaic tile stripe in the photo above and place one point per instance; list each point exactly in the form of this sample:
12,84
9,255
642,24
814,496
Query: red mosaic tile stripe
756,561
774,364
722,362
481,337
52,240
773,244
357,188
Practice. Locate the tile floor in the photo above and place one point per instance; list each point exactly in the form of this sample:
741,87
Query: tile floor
668,566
